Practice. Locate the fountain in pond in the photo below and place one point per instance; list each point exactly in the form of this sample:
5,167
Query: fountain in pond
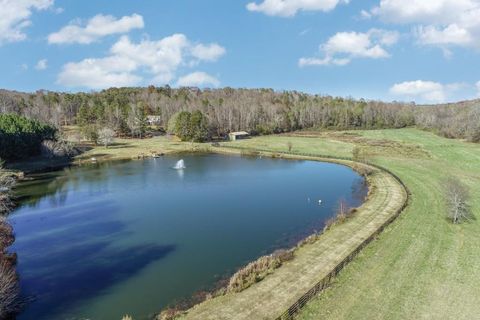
179,165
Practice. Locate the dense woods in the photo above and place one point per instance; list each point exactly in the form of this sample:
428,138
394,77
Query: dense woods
21,137
129,111
456,120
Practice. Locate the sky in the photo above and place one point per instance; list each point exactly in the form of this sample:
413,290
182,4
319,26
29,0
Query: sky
427,51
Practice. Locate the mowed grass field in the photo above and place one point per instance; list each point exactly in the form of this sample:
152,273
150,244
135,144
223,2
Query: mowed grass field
421,266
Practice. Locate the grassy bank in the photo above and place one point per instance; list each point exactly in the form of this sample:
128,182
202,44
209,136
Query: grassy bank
121,149
422,266
313,263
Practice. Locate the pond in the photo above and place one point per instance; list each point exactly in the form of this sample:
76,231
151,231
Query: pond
103,240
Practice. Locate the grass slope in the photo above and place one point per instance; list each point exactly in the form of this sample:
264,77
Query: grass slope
421,267
270,297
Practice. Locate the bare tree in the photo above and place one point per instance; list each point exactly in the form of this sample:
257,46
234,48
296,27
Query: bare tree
290,146
105,136
457,197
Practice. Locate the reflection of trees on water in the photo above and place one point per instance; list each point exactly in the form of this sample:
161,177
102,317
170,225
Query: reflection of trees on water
55,186
48,186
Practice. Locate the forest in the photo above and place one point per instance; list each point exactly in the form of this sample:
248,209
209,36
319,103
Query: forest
21,137
129,111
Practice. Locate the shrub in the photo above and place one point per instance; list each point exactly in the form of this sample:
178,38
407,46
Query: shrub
284,255
344,212
309,240
10,302
170,314
58,149
362,170
253,272
6,184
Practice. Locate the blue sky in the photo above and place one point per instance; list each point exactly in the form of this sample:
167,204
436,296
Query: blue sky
423,50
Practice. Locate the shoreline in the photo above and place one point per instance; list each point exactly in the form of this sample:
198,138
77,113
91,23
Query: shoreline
233,150
206,312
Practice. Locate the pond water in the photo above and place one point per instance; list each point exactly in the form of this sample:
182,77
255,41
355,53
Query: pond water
103,240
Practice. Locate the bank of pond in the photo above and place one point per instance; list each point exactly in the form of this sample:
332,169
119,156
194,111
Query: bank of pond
104,239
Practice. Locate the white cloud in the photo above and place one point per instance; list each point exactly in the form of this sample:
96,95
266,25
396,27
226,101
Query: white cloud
452,34
24,66
129,63
209,52
99,73
342,47
198,79
437,22
41,64
289,8
427,91
97,27
15,17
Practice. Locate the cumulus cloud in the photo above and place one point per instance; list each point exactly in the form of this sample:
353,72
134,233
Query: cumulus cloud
289,8
436,22
198,79
97,27
209,52
15,17
342,47
128,63
427,91
41,64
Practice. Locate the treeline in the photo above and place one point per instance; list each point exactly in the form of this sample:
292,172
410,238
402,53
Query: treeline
455,120
129,111
260,111
21,137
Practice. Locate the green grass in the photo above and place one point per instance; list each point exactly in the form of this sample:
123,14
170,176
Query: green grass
422,266
138,148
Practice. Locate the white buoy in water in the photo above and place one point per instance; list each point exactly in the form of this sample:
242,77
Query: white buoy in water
319,201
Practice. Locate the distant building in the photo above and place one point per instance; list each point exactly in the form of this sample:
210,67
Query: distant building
237,135
154,120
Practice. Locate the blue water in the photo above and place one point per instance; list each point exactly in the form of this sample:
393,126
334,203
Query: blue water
104,240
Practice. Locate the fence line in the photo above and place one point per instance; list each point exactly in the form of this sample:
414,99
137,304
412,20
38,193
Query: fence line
323,283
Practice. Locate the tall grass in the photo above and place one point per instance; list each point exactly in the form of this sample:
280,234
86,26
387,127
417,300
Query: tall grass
257,270
10,301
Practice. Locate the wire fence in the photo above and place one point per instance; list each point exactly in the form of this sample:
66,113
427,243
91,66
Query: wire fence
324,282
